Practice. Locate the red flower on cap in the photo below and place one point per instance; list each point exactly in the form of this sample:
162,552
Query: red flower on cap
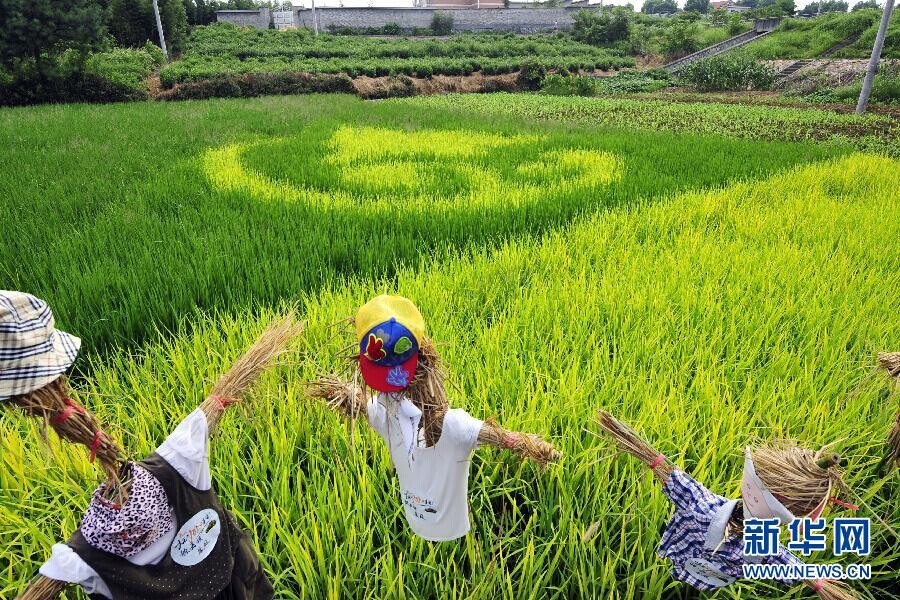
375,348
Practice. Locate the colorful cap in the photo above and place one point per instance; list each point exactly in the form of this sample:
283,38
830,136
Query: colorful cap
389,329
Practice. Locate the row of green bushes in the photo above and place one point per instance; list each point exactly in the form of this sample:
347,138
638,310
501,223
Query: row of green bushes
192,69
227,40
249,85
113,75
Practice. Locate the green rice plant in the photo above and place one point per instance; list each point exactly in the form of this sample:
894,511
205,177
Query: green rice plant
179,206
705,319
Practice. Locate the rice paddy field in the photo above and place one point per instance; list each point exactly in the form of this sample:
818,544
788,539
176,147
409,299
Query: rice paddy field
712,275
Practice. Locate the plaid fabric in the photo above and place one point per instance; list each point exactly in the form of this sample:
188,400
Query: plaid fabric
693,539
32,352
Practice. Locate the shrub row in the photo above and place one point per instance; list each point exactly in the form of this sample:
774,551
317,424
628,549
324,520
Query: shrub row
191,69
227,40
259,84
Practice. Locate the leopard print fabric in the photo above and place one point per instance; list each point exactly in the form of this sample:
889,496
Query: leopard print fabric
124,531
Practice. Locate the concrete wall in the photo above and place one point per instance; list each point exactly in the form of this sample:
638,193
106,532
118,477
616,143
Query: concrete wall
519,20
246,18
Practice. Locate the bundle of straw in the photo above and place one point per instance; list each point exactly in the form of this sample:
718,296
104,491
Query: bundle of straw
894,442
629,441
799,477
234,384
428,392
527,445
890,362
43,588
347,398
832,590
74,423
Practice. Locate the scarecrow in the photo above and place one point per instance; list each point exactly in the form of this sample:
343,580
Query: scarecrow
704,538
890,362
429,443
34,356
155,528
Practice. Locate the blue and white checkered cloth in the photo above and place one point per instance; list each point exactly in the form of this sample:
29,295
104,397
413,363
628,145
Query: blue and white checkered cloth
694,542
32,352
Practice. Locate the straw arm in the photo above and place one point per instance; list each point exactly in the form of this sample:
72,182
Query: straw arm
831,590
238,381
43,588
627,440
890,362
894,442
213,408
527,445
346,398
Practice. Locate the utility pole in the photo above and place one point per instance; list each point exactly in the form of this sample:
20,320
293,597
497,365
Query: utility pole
315,18
866,90
162,38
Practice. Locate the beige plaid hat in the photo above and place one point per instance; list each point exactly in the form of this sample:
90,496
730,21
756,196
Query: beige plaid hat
32,351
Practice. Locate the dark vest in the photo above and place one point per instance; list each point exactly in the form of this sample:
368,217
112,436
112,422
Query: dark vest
231,571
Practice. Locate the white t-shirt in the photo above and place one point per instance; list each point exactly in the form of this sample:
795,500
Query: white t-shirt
187,451
434,482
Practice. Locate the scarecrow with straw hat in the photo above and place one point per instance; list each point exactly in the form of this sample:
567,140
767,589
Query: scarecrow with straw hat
429,443
155,528
704,538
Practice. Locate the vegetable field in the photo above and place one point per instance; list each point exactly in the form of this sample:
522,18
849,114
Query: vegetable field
708,273
224,49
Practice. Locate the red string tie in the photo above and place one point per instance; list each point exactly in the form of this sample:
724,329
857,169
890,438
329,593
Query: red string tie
818,585
95,445
67,412
657,461
510,441
223,403
843,504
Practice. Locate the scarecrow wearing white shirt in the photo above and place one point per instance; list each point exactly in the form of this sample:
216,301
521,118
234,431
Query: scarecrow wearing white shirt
170,536
429,443
704,537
